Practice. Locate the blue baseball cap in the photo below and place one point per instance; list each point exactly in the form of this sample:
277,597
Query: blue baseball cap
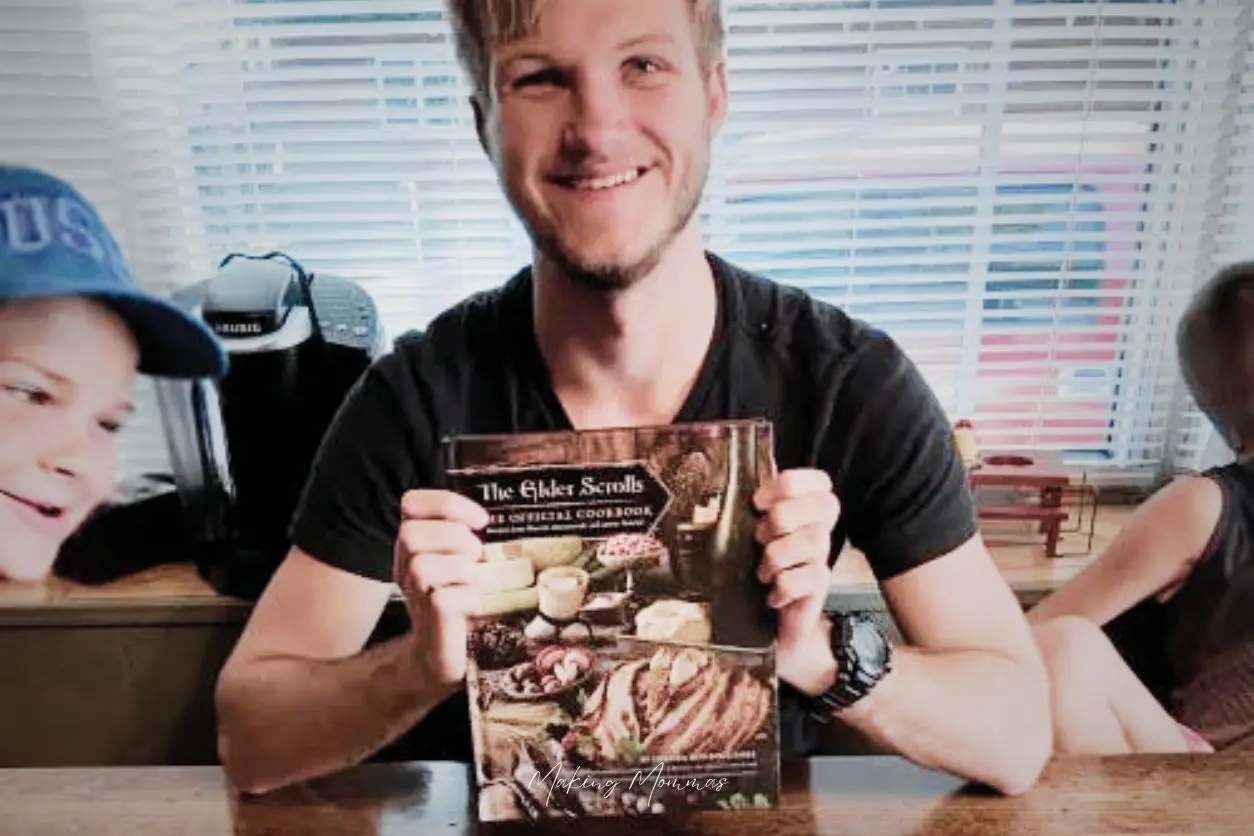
53,243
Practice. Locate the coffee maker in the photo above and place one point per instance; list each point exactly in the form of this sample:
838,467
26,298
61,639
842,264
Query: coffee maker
241,447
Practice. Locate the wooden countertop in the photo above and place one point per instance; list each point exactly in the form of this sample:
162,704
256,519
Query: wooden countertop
879,796
1016,548
174,593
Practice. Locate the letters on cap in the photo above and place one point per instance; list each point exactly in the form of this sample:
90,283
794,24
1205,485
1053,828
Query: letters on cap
30,225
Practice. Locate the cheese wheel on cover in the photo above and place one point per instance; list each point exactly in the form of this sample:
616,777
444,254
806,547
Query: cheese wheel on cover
674,621
504,575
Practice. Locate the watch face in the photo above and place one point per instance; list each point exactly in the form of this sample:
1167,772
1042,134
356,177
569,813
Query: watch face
868,645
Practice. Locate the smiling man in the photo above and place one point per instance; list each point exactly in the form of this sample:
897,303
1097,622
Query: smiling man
598,116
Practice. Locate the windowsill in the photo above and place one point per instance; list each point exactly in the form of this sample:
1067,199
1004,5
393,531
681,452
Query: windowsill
176,594
1017,550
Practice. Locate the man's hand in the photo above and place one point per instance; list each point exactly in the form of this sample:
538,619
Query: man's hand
436,549
799,512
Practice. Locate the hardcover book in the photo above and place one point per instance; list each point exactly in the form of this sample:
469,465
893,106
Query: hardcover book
623,660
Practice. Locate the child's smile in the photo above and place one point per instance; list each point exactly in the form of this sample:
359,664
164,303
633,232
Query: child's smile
43,517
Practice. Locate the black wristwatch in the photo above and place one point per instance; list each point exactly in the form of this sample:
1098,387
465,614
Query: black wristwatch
863,657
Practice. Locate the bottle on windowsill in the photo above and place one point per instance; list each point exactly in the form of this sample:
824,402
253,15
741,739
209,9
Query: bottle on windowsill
964,440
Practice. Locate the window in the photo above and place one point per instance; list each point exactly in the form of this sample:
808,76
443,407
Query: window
1022,192
1000,186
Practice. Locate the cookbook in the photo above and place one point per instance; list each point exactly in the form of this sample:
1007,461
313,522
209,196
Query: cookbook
622,660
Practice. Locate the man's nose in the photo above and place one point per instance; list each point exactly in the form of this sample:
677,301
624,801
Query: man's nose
599,111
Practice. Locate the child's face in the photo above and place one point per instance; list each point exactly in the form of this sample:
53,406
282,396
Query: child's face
66,371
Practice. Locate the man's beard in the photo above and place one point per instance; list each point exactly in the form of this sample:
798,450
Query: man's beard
613,277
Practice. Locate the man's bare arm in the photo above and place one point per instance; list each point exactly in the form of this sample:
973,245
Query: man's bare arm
298,697
969,694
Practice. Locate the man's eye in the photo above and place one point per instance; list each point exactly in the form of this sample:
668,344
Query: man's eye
643,66
538,79
30,394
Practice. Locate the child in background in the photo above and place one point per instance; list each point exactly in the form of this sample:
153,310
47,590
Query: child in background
74,332
1188,551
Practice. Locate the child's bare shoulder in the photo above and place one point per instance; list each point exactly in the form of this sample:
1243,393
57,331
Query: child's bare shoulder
1189,506
1193,493
1183,517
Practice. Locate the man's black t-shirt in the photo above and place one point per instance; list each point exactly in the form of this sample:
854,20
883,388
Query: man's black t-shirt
842,397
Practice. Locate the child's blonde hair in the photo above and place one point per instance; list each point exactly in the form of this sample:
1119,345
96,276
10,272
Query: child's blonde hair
479,25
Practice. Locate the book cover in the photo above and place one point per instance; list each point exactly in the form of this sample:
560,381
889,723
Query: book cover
622,662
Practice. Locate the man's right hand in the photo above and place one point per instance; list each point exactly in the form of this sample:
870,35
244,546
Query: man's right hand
436,549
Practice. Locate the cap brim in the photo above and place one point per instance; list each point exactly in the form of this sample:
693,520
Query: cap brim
172,343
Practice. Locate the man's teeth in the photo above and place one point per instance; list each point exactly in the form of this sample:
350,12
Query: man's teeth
593,184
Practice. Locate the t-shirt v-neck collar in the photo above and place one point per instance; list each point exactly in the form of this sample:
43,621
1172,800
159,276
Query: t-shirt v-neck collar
534,375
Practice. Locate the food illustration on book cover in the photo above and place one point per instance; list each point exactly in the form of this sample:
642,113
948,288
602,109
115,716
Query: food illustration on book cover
622,661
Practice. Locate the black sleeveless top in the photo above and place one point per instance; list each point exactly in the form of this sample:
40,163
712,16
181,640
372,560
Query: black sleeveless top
1209,624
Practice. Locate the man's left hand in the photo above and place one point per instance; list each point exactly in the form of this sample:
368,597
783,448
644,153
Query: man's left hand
799,511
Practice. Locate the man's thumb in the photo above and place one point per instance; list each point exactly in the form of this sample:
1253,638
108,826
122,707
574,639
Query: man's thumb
451,638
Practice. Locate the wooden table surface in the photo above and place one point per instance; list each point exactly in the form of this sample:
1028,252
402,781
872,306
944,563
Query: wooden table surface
1162,795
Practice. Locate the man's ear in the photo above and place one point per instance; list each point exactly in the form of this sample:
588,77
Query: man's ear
716,94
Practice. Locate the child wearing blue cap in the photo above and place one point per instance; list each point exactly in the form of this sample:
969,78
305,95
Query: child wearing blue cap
75,329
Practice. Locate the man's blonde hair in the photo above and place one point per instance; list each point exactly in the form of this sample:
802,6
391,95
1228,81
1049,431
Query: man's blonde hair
480,25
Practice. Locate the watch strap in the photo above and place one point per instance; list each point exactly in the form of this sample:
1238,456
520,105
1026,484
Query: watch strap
855,676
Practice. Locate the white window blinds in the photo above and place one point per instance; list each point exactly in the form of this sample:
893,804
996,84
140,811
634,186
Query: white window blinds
1018,191
51,111
1233,233
1022,192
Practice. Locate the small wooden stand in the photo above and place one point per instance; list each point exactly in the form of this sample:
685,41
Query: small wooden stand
1035,472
